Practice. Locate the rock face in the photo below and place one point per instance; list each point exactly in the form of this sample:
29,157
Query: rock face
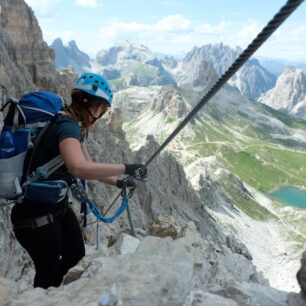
195,72
220,55
289,93
252,80
70,55
26,61
169,62
171,103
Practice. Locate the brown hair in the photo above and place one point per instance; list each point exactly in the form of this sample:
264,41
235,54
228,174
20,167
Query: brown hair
79,108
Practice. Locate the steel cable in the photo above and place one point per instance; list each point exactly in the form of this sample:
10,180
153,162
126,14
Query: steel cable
267,31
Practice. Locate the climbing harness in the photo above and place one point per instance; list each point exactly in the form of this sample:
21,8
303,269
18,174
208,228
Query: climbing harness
79,193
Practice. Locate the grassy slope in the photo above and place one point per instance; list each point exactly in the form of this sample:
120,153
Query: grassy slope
261,164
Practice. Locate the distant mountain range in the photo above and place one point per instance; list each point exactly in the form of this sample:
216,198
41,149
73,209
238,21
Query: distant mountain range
127,65
252,80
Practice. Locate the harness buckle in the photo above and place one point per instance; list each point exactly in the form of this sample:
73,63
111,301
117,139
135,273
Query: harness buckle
39,222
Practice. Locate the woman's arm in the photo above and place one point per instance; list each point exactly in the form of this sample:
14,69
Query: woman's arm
78,165
112,180
85,152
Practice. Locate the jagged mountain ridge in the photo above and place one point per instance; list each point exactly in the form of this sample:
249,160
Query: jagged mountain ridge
289,93
193,72
70,55
220,55
130,64
251,80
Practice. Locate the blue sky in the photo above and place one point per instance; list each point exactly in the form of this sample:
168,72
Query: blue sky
171,26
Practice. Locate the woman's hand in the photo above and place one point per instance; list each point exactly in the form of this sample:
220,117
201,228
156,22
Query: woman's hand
138,171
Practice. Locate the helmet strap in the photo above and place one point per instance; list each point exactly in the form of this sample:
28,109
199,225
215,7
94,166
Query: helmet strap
94,119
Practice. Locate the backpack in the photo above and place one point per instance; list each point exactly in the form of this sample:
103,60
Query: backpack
26,122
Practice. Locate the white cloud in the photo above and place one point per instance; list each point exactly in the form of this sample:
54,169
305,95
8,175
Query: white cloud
173,23
87,3
45,8
175,34
287,43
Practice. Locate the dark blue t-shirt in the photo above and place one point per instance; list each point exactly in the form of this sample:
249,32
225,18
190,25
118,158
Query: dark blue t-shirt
64,127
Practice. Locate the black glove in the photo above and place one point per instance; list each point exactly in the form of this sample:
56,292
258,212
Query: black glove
129,183
138,171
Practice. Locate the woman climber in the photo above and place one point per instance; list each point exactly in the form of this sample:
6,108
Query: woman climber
51,234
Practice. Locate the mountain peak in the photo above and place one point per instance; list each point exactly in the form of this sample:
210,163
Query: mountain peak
57,42
72,44
123,51
291,70
251,80
289,93
73,47
70,55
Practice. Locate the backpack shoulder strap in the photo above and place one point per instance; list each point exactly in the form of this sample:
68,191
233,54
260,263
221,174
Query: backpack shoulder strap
36,145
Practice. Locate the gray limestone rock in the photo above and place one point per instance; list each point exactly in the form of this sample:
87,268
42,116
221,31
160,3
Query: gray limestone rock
161,271
27,63
126,244
289,93
165,226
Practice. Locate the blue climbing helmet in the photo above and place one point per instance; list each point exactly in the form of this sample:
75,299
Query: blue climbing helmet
96,85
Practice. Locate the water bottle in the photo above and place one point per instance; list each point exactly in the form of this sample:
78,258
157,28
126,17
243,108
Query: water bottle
7,146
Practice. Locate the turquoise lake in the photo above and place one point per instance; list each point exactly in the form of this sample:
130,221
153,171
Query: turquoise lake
290,196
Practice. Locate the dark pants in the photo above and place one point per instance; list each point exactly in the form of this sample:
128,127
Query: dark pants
54,248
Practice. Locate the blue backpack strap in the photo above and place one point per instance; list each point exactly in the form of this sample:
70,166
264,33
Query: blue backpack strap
32,152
